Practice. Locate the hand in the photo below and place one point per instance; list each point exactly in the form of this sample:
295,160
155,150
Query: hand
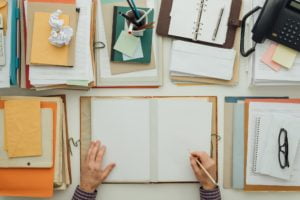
209,164
92,175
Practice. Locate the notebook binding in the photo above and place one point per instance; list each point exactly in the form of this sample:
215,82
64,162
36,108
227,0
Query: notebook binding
201,7
257,133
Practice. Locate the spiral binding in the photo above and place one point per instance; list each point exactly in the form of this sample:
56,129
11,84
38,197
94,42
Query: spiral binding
257,133
197,29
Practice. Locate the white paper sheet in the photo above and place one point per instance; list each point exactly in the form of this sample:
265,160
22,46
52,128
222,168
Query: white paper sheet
183,126
123,126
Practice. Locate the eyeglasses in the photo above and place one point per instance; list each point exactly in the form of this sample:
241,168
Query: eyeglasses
283,149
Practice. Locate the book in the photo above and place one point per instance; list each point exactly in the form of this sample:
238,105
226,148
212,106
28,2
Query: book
156,123
146,39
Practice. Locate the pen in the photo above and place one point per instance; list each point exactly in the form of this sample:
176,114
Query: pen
218,24
134,7
129,19
145,15
134,11
206,172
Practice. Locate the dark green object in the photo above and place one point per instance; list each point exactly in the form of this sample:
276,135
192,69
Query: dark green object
146,39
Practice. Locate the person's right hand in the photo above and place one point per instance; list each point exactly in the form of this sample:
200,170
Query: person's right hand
209,164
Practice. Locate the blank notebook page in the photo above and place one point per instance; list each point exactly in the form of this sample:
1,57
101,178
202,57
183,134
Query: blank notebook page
123,126
183,126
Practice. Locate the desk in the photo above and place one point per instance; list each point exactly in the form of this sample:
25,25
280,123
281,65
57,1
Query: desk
164,191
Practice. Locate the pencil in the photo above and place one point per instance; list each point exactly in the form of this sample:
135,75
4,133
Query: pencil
206,172
145,15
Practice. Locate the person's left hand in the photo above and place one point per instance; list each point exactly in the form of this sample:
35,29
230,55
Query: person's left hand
92,174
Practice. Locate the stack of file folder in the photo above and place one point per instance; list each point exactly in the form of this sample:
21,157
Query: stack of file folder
34,147
252,160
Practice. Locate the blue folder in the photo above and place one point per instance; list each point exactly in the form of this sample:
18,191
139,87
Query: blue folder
15,58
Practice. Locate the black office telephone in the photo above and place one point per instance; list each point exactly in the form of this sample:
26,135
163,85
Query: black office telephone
279,21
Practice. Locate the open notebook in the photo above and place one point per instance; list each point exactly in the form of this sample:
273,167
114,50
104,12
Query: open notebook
150,138
200,20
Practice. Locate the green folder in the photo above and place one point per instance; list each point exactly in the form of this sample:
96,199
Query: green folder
146,39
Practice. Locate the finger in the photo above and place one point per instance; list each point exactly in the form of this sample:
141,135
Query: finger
94,151
195,167
203,156
107,171
89,151
100,155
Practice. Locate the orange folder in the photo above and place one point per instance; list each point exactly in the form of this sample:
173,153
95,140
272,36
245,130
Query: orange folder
29,182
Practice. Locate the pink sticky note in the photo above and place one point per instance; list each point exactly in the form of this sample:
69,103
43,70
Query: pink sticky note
267,58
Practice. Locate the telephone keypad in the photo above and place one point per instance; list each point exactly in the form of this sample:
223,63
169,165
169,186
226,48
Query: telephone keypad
289,32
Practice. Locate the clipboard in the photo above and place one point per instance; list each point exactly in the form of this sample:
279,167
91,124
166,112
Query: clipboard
85,125
233,23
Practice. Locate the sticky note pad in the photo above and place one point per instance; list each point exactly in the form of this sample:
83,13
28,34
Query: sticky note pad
42,52
23,128
127,44
284,56
267,58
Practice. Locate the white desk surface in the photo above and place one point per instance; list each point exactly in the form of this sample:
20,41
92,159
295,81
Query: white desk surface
164,191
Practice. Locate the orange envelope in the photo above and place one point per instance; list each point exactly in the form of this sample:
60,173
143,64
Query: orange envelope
29,182
23,133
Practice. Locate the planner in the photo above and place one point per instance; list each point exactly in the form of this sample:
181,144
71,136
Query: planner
167,129
211,22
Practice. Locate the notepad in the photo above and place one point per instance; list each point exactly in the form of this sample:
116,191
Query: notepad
200,60
200,19
42,52
284,56
267,58
127,44
150,139
23,128
267,147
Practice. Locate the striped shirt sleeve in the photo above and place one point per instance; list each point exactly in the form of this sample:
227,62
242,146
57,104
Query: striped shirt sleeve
81,195
210,194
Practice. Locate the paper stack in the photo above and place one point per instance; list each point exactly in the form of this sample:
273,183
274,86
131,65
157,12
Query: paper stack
194,63
49,66
34,152
258,131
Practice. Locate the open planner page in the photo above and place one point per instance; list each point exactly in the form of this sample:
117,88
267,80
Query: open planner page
183,126
123,126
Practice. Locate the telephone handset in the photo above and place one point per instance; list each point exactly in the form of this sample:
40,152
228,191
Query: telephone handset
279,20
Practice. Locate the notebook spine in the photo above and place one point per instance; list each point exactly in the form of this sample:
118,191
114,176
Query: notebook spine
197,29
256,145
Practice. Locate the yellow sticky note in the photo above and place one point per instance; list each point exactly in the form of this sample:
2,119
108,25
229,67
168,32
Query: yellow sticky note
284,56
23,128
42,52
